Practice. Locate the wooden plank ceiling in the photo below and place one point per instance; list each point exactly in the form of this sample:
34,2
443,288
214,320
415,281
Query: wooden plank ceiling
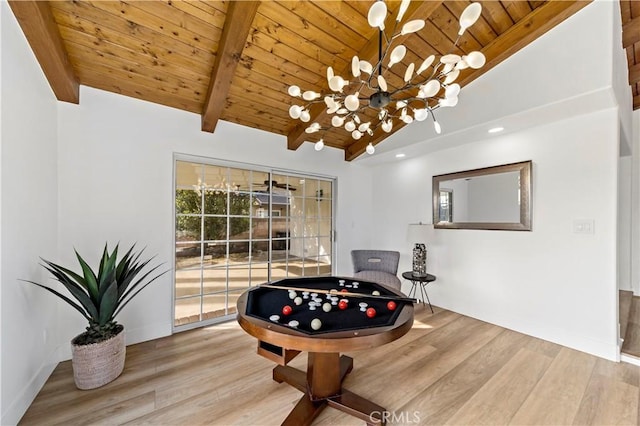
630,10
234,60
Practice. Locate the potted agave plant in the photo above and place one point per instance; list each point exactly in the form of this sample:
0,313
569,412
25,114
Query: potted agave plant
98,353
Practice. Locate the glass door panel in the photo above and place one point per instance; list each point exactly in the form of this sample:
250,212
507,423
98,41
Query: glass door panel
236,228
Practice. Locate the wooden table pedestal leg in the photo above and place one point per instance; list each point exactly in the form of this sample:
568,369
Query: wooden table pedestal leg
322,386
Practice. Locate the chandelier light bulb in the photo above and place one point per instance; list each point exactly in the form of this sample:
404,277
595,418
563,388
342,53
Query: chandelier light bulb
310,95
401,104
431,88
382,83
476,60
337,83
370,149
356,118
364,126
337,121
305,116
329,74
412,27
294,91
408,74
403,8
350,126
462,64
342,111
356,134
421,114
452,76
469,16
313,128
366,67
295,111
397,55
319,145
352,102
387,125
355,67
377,15
426,64
452,91
436,127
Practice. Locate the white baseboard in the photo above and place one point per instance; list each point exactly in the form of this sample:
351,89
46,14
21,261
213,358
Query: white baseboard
630,359
24,398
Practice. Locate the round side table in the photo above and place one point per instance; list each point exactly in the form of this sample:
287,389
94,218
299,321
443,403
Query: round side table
422,281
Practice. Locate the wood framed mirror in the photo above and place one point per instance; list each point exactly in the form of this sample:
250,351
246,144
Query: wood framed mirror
497,198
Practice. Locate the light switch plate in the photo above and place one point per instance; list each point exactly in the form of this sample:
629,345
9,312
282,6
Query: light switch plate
583,226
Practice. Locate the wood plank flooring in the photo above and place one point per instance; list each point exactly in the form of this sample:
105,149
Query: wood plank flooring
631,344
449,369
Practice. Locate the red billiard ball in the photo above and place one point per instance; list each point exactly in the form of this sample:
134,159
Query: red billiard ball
343,305
287,310
371,312
391,305
344,290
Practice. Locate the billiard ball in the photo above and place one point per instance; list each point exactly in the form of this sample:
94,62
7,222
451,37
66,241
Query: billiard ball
371,312
344,290
286,310
292,294
343,305
274,318
316,324
363,306
293,323
326,307
391,305
375,293
298,301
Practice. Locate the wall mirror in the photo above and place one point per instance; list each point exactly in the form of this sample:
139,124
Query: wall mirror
496,197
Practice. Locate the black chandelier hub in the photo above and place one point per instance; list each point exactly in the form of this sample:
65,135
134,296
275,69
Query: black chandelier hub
379,99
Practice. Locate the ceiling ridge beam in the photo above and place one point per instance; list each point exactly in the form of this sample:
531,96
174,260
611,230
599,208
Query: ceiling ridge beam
40,28
519,35
236,29
369,52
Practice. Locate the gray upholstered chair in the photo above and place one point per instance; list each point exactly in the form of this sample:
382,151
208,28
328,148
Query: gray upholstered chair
380,266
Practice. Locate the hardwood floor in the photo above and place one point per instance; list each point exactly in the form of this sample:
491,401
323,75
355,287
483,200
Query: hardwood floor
449,369
631,344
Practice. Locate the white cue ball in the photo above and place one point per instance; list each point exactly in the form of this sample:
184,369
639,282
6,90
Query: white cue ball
292,295
298,301
316,324
326,307
376,293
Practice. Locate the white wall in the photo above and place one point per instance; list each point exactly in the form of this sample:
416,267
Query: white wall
550,282
115,177
624,223
635,205
28,221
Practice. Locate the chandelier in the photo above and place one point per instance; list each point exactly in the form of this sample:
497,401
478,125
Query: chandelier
423,90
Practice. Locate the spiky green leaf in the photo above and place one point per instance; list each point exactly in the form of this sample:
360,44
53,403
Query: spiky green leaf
89,278
63,297
109,303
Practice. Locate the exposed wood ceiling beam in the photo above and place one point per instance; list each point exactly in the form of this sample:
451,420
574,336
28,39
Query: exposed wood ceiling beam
417,10
524,32
636,102
39,27
631,32
237,25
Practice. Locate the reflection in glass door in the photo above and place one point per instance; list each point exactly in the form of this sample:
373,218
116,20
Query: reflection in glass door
237,228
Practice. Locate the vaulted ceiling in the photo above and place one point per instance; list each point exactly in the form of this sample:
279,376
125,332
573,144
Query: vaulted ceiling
234,60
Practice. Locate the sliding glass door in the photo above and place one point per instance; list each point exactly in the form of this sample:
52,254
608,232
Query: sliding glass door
237,227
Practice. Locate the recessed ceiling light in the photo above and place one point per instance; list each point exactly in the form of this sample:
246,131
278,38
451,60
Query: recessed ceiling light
399,155
496,129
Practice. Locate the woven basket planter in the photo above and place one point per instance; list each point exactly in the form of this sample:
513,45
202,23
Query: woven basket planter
97,364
